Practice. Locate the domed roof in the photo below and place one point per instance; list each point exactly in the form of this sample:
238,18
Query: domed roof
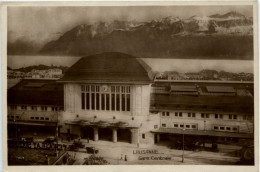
109,67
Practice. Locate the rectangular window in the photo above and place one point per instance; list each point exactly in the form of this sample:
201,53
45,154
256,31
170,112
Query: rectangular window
123,102
193,115
97,88
32,118
46,118
202,115
222,128
103,101
216,116
107,102
42,118
82,87
97,101
176,125
143,136
117,98
232,116
24,107
54,108
228,128
113,99
193,126
87,101
118,89
117,102
113,90
92,88
37,118
163,125
181,125
128,102
187,126
215,127
180,114
176,113
34,107
167,113
93,101
44,108
82,100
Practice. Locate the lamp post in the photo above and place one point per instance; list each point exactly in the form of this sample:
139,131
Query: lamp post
15,130
183,144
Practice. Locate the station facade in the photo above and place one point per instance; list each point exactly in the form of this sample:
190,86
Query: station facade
107,97
113,97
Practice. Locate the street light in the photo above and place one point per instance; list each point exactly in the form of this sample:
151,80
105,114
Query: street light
183,144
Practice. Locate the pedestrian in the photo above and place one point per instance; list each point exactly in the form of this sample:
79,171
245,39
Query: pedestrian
125,158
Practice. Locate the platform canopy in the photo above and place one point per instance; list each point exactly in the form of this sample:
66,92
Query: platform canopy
204,133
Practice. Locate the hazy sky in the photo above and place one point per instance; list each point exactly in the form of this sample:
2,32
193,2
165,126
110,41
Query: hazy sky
56,20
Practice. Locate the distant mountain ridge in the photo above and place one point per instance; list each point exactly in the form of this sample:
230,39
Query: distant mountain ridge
167,37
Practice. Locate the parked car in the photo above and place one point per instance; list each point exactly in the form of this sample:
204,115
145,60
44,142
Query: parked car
72,137
91,150
78,144
29,139
49,140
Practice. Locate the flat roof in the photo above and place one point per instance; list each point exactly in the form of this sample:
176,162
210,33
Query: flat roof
241,104
34,123
36,92
220,89
184,88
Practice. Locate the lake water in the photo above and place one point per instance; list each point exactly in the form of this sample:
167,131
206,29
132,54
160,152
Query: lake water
160,65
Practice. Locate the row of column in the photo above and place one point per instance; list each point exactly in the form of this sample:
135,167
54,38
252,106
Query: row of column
134,135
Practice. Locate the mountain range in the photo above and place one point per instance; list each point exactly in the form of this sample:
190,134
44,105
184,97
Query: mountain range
217,36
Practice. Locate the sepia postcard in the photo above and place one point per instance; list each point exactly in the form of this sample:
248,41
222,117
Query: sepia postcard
130,86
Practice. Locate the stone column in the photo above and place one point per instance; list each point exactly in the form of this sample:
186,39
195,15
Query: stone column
114,135
95,134
134,136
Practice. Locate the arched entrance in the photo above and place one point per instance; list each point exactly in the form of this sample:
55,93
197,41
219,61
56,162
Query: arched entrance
105,134
87,133
124,135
